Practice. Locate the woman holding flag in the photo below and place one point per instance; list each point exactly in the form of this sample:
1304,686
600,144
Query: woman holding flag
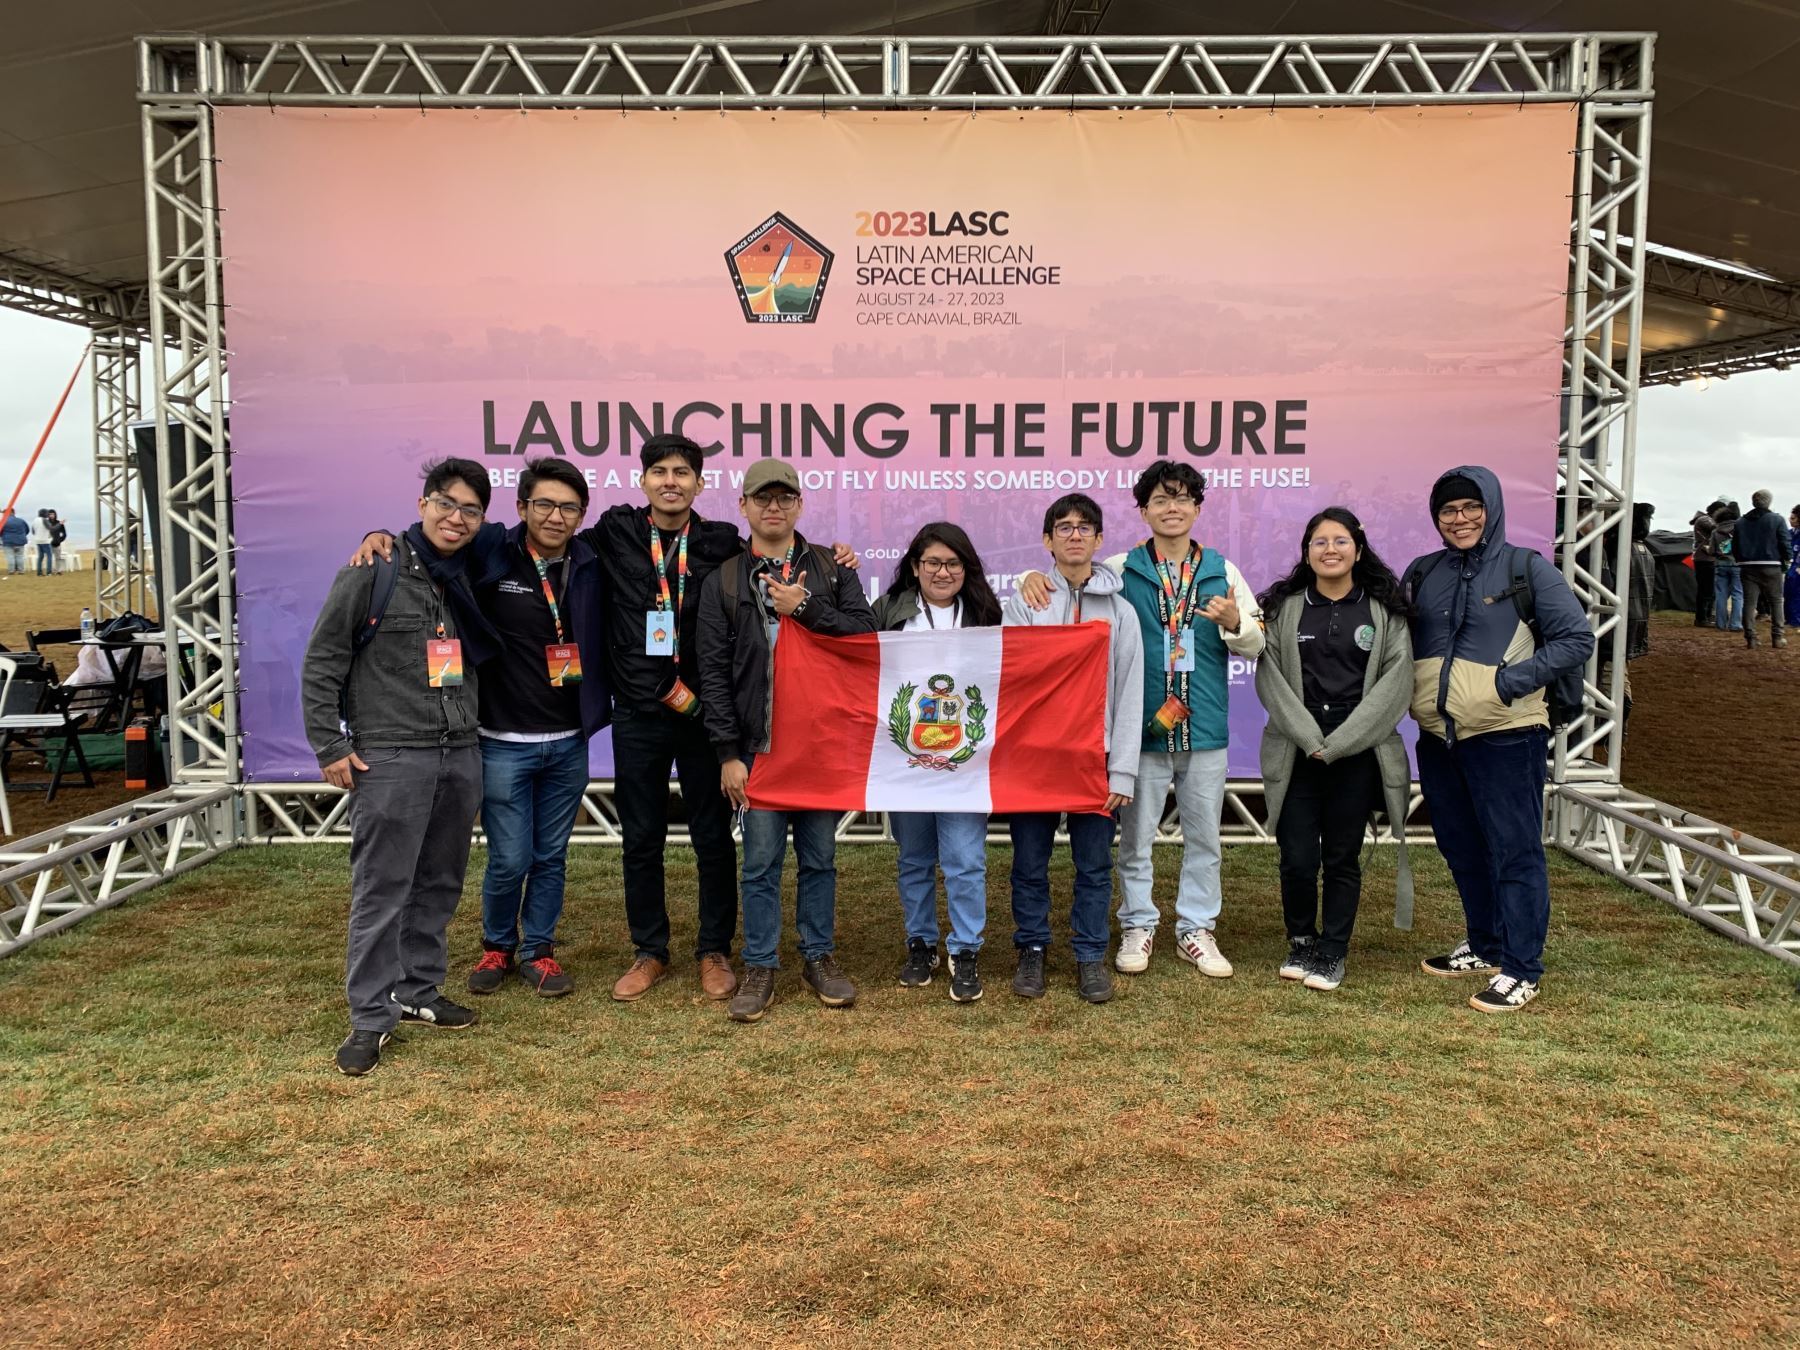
1336,677
940,583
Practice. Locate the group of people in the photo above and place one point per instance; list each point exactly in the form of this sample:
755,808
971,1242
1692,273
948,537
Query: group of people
1745,564
47,532
464,665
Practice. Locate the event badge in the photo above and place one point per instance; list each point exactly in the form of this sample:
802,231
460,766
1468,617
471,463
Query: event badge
564,662
1171,715
1181,658
443,662
659,633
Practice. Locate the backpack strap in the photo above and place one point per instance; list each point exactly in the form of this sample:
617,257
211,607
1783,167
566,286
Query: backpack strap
827,568
1416,573
381,591
1523,597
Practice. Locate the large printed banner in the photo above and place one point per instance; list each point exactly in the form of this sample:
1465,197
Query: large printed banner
943,316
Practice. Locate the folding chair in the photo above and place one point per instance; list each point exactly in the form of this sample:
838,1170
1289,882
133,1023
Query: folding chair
28,720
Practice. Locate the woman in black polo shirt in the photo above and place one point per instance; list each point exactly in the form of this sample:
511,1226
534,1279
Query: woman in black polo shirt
1335,677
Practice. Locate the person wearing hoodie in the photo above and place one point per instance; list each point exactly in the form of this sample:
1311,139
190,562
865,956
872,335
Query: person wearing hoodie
1479,680
1079,592
1791,588
1336,681
1704,560
1763,553
1728,581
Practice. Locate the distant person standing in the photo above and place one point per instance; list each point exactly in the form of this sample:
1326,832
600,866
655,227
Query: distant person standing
13,536
41,534
1763,554
1728,581
1791,591
58,534
1704,571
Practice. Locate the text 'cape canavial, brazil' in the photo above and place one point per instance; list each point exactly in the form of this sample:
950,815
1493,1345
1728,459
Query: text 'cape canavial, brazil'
960,719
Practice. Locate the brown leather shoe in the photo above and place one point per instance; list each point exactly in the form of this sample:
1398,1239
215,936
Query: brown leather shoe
645,973
716,980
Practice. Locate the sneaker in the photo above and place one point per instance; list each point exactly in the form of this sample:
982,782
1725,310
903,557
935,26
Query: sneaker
1504,994
545,976
1093,981
754,994
440,1012
361,1052
1134,950
1324,972
1201,948
827,979
965,979
1462,961
921,960
491,971
1295,967
1028,978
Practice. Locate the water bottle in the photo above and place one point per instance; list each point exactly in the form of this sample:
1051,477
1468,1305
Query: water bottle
87,624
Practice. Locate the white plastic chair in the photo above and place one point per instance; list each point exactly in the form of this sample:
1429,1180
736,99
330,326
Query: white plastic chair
18,722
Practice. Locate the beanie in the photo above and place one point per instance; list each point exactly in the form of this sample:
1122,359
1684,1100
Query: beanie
1454,487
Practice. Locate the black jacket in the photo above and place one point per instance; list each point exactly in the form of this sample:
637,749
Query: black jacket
736,663
1762,537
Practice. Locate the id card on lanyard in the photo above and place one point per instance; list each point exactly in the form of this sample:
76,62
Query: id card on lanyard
662,625
1175,603
562,660
443,661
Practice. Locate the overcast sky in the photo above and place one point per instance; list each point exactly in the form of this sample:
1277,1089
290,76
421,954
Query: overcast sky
1694,444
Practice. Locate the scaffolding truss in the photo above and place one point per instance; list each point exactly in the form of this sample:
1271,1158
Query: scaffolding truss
183,78
120,582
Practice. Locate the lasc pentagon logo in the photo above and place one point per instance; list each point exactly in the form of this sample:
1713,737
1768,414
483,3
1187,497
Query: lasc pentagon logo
780,272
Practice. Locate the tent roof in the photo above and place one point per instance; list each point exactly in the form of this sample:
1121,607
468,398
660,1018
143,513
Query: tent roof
1725,167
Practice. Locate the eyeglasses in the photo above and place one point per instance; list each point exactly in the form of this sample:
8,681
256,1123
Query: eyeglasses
469,511
951,566
1162,503
543,506
785,501
1473,511
1069,530
1341,543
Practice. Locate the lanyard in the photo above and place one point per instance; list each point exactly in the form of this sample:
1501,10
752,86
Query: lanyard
543,572
955,611
787,564
1177,595
662,571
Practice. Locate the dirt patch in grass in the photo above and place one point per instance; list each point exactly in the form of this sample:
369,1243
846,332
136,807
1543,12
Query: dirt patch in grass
1199,1161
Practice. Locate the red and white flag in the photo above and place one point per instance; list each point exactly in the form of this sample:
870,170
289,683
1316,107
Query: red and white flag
959,719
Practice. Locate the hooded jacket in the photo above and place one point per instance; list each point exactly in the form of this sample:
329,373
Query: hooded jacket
1102,597
1476,668
1762,539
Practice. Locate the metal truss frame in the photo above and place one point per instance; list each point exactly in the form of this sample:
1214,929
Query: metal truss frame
1745,294
120,579
1777,349
183,78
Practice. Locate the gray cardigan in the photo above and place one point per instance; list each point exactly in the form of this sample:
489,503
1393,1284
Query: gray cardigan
1387,692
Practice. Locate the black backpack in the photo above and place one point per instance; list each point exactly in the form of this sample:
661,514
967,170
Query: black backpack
381,590
1565,697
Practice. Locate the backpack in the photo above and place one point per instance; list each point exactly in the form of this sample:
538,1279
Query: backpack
381,590
1723,540
1565,697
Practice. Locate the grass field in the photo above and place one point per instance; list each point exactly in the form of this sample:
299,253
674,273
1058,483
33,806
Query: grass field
1226,1162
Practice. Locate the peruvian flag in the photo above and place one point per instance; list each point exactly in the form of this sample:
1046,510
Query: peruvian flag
959,719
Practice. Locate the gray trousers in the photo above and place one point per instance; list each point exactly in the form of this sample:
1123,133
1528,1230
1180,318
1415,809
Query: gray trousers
410,821
1765,580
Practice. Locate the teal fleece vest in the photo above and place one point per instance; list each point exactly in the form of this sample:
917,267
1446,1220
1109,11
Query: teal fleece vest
1207,687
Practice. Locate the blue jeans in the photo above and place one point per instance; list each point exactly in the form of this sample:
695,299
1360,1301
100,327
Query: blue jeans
1728,597
530,792
956,841
1486,798
44,560
1090,845
15,557
815,897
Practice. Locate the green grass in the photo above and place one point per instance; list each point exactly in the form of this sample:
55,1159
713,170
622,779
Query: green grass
1229,1162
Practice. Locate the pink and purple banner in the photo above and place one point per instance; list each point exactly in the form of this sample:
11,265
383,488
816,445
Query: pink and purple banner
934,316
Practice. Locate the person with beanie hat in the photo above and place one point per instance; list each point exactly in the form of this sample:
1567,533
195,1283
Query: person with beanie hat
1763,552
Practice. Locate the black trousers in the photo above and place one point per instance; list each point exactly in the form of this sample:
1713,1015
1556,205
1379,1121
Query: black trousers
646,743
1703,593
1321,828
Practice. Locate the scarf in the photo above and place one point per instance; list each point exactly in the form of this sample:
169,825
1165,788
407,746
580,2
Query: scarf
450,573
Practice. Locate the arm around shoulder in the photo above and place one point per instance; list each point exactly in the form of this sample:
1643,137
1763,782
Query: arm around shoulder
1247,639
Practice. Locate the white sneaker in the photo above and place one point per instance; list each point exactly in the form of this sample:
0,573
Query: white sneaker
1202,949
1134,950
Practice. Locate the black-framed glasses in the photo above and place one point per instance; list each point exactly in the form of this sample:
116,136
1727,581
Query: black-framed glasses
1073,530
543,506
784,501
1471,511
469,511
952,566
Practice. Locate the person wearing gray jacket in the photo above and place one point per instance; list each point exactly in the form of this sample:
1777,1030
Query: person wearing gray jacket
1079,593
391,713
1336,678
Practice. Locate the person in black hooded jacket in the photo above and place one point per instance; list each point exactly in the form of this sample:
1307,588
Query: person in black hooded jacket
1479,680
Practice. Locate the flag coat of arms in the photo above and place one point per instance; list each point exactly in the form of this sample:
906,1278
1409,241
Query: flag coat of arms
960,719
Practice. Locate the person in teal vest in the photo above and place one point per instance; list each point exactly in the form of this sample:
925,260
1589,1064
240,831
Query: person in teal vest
1195,611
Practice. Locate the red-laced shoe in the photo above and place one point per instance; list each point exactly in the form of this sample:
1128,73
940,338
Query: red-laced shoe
545,976
490,971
